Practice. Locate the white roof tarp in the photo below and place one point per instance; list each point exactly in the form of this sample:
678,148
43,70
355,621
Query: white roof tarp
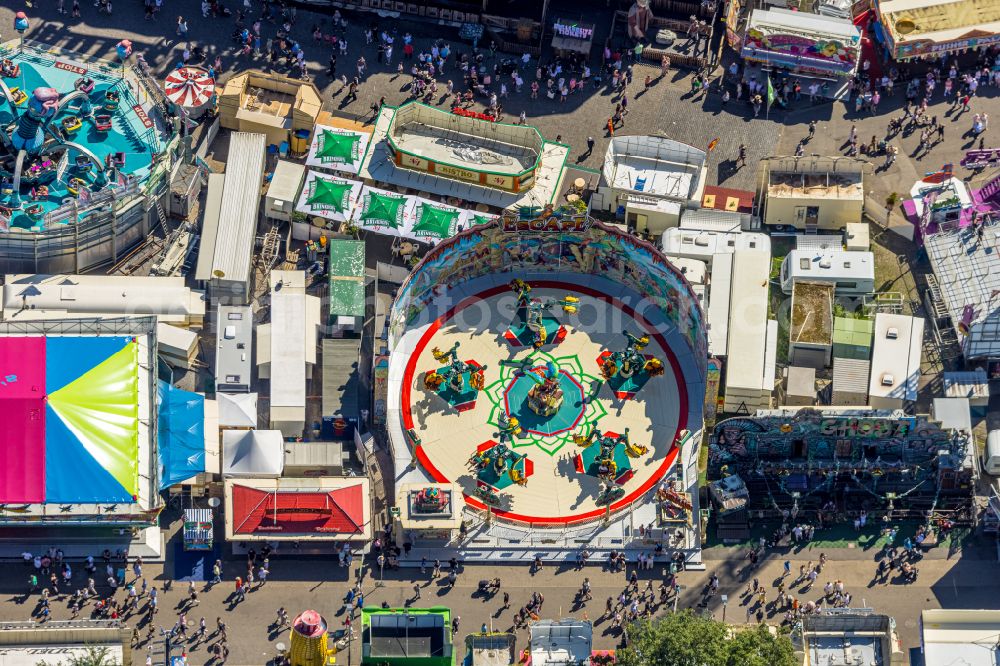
329,197
253,453
237,410
417,218
337,149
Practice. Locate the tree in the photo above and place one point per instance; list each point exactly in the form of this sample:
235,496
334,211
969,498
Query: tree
758,647
93,656
687,639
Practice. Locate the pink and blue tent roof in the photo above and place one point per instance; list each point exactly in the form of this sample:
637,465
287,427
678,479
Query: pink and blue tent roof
181,434
70,408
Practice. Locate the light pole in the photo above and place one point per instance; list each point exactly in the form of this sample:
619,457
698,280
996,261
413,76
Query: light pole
21,26
124,50
725,602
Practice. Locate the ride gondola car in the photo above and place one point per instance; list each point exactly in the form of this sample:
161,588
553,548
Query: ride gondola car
9,69
18,96
102,123
111,100
71,124
75,185
115,160
35,212
84,84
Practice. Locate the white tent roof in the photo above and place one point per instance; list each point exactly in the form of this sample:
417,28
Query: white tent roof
252,453
237,410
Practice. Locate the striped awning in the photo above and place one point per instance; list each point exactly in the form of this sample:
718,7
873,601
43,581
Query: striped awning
189,86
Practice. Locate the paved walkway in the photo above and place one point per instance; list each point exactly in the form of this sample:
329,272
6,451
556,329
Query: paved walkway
659,109
300,584
666,107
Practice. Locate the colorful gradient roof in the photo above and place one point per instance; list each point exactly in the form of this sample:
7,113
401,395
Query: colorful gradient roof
71,409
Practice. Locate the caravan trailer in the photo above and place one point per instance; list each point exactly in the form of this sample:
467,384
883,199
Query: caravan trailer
853,273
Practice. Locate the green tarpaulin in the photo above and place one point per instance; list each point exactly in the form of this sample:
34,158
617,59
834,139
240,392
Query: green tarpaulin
436,222
329,193
383,209
346,279
335,146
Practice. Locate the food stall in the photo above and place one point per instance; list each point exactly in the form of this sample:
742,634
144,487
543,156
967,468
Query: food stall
929,29
198,529
571,37
802,44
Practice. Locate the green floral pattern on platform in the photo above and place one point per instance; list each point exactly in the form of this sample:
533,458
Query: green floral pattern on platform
593,411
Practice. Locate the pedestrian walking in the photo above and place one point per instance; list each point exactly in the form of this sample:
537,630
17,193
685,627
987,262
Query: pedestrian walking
182,27
741,158
193,594
788,569
416,591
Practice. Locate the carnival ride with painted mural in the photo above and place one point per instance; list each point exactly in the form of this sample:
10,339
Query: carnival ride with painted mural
458,382
532,325
606,456
808,459
628,370
544,392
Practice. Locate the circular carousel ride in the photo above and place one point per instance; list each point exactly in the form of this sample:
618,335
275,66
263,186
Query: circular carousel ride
550,418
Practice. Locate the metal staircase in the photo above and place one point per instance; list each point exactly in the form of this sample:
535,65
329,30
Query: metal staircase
161,215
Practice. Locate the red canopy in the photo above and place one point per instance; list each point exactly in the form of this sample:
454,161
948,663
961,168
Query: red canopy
339,511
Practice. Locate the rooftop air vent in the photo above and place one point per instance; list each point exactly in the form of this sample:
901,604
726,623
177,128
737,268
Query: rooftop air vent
892,333
887,379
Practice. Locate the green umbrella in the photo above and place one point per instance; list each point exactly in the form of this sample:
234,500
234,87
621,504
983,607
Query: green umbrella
329,193
483,219
383,209
436,222
338,147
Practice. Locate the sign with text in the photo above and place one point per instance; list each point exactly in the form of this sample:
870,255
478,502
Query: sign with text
573,30
551,224
413,162
143,116
70,67
455,172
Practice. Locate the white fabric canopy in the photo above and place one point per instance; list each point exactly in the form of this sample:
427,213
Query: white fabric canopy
237,410
326,150
409,219
321,208
253,453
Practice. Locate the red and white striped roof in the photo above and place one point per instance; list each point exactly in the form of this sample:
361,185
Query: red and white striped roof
189,86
